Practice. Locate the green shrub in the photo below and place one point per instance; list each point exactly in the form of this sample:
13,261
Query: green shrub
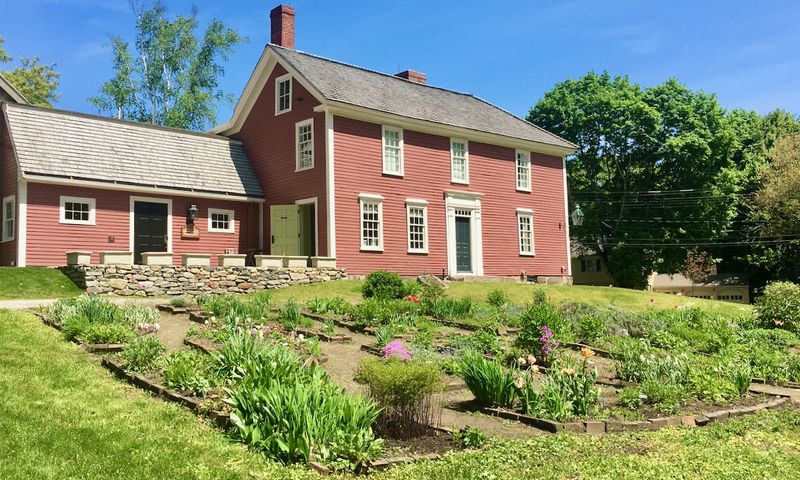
180,301
76,316
189,371
384,285
470,437
665,397
539,296
143,354
134,314
107,333
290,316
373,312
779,306
490,382
451,309
591,328
631,397
542,321
259,305
336,305
405,391
497,298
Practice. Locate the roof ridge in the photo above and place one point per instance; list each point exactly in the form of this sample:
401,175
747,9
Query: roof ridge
133,123
357,67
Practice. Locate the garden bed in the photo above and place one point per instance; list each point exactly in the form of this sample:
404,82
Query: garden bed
166,307
89,347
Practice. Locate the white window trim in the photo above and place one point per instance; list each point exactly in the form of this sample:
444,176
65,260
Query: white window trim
278,82
384,129
465,180
297,126
9,236
231,223
364,198
63,199
516,168
423,204
526,212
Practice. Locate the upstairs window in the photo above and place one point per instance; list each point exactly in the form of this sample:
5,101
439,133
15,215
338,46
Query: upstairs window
525,230
9,217
371,222
523,171
305,145
77,210
417,214
392,151
283,94
459,161
220,220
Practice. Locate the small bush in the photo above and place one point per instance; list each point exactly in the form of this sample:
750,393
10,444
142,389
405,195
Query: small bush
180,301
290,316
336,305
143,355
107,333
259,305
490,382
497,298
542,327
631,397
405,391
779,306
539,296
134,314
384,285
189,371
470,437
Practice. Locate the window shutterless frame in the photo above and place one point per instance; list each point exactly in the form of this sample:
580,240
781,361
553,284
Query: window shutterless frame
76,210
523,170
392,150
283,94
371,222
459,161
304,145
525,232
417,225
9,217
221,220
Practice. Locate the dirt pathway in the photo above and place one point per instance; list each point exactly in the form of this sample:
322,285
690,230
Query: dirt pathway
173,330
793,394
344,359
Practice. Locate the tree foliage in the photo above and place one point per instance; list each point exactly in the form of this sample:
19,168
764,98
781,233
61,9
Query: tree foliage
169,75
697,266
36,81
631,140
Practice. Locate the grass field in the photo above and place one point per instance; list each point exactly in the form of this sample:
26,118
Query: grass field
522,293
33,282
63,416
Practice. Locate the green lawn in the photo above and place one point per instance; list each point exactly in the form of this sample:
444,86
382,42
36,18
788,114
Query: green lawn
63,416
35,282
522,293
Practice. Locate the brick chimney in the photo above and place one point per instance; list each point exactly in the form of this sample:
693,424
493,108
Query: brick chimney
416,77
282,23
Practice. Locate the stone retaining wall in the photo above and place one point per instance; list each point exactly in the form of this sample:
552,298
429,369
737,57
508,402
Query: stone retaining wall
153,280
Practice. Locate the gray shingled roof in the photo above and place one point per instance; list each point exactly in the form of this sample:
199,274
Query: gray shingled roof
341,82
73,145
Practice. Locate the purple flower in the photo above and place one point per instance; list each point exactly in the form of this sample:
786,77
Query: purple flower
396,349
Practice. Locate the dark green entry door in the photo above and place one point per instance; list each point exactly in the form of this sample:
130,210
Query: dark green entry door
463,244
149,228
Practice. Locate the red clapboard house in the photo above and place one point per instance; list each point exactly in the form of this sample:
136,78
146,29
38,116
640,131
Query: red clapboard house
320,158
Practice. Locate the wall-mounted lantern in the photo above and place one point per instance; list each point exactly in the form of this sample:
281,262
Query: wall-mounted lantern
577,216
189,232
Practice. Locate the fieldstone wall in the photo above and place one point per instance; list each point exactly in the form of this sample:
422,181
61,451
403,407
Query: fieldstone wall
153,280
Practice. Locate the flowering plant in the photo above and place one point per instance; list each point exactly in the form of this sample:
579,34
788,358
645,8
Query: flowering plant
145,328
548,342
396,349
411,298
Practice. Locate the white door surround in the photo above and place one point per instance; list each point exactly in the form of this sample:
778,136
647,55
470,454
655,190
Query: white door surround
471,202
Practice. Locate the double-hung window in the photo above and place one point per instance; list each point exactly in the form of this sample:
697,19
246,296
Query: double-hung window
305,144
459,161
392,151
525,231
523,171
371,222
417,217
76,210
283,94
9,217
220,220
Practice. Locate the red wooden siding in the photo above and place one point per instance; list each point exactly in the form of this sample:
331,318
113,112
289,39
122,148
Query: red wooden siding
48,240
270,144
492,171
8,186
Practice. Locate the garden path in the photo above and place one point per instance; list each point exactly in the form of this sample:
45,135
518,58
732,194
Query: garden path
344,358
792,393
43,302
173,330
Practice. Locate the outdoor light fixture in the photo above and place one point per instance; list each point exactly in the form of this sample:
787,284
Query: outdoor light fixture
191,215
577,216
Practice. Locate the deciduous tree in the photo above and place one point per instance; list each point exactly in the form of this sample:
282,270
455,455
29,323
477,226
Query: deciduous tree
36,81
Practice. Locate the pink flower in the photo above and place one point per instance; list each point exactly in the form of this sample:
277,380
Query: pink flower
411,298
396,349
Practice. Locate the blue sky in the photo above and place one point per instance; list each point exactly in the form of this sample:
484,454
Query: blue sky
510,53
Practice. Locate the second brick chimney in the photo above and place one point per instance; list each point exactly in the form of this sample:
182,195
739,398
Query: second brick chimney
414,76
282,24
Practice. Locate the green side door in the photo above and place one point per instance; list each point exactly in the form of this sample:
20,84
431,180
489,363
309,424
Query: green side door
283,229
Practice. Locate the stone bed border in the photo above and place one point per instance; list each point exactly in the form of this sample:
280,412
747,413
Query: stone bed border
610,426
89,347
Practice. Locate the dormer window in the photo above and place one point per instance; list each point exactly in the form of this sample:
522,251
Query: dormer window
283,94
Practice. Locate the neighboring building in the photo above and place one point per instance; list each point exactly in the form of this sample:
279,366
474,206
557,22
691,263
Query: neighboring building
728,287
588,268
10,94
320,158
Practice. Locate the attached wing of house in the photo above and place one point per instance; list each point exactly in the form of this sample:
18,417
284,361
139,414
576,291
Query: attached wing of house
10,94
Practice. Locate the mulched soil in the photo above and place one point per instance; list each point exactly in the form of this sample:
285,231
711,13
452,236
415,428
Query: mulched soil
434,442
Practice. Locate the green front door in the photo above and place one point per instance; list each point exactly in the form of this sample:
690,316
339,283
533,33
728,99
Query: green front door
283,229
463,244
